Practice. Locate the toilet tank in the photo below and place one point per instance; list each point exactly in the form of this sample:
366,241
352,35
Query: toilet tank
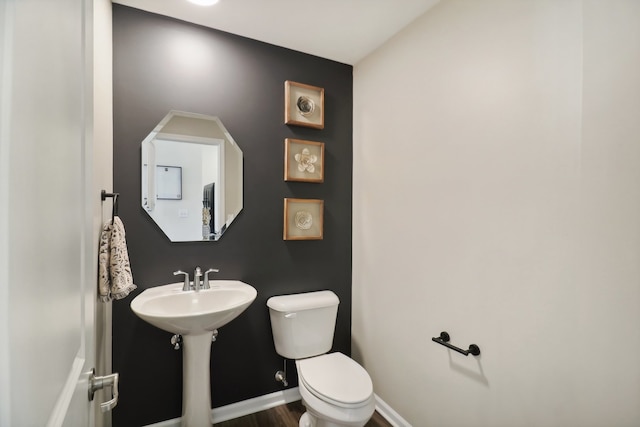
303,324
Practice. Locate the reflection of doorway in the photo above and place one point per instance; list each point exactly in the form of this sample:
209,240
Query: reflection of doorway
208,202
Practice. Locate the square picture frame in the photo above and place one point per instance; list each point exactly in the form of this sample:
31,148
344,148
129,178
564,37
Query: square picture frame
169,182
303,219
303,160
303,105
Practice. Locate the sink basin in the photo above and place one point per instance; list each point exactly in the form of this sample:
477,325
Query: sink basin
170,308
194,315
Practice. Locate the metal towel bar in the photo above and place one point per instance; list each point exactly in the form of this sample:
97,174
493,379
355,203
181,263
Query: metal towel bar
444,339
114,209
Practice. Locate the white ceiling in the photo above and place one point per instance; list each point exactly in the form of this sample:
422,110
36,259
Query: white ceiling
341,30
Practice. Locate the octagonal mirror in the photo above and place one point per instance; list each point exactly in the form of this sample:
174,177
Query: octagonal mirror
191,177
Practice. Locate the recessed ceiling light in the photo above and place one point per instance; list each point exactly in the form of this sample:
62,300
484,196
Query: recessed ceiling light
204,2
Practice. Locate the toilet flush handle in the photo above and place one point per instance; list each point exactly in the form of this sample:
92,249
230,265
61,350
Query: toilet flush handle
290,315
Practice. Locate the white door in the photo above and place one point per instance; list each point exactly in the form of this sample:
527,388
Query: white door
47,253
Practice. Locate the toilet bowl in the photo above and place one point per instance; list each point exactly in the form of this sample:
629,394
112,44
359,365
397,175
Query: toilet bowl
335,389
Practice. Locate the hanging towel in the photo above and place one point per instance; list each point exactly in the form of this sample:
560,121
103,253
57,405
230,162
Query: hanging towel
115,280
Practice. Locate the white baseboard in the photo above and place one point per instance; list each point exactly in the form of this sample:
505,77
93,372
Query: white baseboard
257,404
262,403
246,407
389,414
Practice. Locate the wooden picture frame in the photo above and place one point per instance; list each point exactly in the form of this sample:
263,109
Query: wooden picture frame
303,160
303,219
303,105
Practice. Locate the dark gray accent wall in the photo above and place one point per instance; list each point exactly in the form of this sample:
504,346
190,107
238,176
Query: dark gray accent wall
162,64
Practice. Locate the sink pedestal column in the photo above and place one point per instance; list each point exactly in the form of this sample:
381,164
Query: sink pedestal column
196,380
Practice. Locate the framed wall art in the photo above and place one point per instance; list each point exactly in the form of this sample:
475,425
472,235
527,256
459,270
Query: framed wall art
303,219
303,160
303,105
169,182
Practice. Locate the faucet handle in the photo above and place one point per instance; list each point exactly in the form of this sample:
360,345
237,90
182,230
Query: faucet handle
205,283
185,287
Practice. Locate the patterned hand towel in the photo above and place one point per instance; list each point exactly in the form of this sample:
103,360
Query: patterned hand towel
115,280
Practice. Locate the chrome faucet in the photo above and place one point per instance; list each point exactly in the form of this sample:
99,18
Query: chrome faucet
197,281
205,283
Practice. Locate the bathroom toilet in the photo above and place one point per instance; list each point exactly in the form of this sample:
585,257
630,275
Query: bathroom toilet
335,389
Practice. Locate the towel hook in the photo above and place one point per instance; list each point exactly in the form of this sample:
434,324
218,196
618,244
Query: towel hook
114,208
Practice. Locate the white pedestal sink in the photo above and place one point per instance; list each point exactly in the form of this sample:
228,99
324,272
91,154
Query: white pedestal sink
194,315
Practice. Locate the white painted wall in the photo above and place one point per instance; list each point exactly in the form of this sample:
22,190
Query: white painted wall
181,219
496,196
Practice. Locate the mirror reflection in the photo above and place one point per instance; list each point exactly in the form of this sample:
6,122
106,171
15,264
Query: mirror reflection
191,177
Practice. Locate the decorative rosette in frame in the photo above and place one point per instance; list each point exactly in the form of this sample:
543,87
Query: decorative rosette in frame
303,105
303,219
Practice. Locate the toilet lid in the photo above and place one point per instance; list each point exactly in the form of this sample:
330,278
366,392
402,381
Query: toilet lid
336,378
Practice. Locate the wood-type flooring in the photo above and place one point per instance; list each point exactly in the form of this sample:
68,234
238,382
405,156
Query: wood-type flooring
286,416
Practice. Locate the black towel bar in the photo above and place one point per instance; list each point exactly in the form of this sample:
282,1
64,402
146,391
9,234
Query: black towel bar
114,208
444,338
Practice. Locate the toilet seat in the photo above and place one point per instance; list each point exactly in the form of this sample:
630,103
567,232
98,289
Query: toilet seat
336,379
